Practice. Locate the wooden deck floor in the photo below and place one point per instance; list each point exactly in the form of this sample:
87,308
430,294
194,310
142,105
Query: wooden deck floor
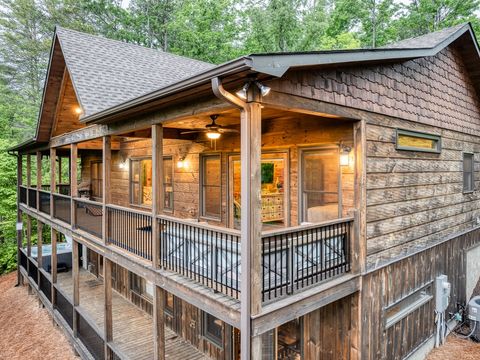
132,328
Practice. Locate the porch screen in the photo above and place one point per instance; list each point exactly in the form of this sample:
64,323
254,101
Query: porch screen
141,182
320,184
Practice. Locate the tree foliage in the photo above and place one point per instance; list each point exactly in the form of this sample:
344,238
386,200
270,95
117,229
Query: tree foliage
209,30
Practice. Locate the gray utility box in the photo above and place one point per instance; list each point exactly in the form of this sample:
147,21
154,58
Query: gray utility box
474,316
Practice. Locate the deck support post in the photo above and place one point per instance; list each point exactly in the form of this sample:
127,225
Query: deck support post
29,177
76,285
159,323
53,179
19,218
157,190
53,264
29,236
39,249
39,177
108,324
73,182
106,161
251,224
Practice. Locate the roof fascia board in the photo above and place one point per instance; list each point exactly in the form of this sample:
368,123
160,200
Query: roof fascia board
223,70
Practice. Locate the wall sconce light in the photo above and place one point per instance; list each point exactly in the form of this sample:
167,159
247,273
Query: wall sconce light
78,110
123,165
345,155
123,160
181,163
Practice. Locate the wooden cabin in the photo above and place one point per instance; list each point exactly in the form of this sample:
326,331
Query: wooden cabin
277,206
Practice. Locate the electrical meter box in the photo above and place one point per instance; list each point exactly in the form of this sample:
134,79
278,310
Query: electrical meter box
474,309
442,293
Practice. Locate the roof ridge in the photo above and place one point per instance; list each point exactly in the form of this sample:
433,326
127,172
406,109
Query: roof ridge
126,43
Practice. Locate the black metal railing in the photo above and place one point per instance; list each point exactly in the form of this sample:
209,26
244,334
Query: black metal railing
88,216
45,286
90,338
44,202
61,207
130,230
32,271
23,260
32,198
299,257
207,254
23,194
64,307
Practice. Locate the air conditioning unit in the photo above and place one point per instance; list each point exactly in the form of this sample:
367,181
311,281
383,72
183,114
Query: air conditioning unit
474,316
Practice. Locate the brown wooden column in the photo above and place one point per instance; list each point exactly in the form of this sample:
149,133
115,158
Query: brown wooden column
73,182
251,224
39,178
76,285
53,178
53,263
29,177
39,248
19,217
157,190
108,321
106,170
159,323
29,235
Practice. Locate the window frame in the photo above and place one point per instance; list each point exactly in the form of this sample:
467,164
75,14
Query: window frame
130,182
98,180
420,135
466,154
207,335
169,209
201,194
142,292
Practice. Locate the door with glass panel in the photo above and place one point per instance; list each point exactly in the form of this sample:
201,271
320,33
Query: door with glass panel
320,183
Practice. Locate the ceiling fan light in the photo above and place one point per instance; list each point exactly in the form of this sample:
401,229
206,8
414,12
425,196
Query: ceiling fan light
213,135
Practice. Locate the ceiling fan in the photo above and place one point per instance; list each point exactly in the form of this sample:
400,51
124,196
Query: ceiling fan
213,130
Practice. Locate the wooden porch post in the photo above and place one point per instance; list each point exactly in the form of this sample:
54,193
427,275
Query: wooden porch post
29,177
53,178
39,178
159,323
39,248
157,191
106,161
108,324
53,264
76,284
73,182
19,217
251,224
29,236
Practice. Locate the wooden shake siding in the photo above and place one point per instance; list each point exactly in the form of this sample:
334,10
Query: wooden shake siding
394,282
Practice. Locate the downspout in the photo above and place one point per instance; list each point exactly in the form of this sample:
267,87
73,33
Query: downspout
245,246
19,213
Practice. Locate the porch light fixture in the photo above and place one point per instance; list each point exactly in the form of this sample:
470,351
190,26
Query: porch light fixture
264,90
345,155
78,110
181,163
213,135
242,93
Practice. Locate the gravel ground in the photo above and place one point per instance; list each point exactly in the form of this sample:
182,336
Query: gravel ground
26,329
456,349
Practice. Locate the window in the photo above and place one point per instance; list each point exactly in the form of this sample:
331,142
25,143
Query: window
141,182
213,329
468,172
168,182
405,306
140,286
96,175
211,186
416,141
320,183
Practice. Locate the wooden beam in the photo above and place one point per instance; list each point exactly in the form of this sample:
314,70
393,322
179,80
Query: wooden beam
53,178
108,317
106,171
29,177
29,235
73,182
39,177
159,323
76,285
19,225
251,225
157,190
39,248
53,263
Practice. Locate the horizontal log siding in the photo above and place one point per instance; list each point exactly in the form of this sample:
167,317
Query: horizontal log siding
391,283
416,198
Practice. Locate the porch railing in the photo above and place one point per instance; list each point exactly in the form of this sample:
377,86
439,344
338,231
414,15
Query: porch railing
298,257
45,286
90,337
130,230
44,202
207,254
32,198
61,207
23,195
88,216
64,307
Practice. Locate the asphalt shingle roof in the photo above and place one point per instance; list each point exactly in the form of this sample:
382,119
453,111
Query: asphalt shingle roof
107,72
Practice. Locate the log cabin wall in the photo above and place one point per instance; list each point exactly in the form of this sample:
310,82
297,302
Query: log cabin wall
391,284
296,134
